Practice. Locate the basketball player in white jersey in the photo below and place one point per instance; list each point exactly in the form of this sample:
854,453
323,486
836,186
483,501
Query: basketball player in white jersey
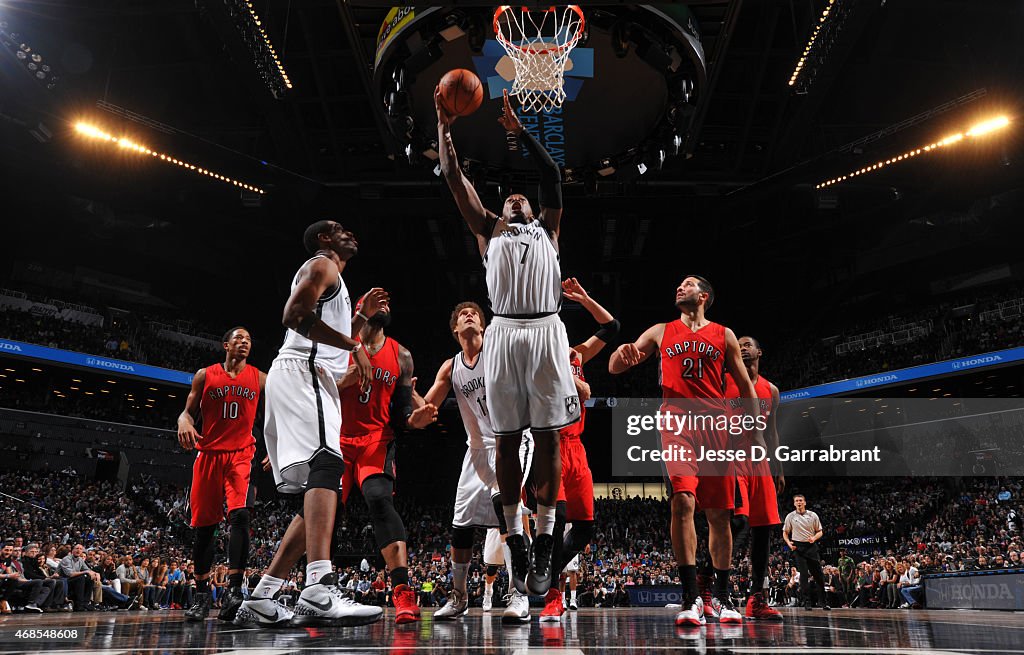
529,385
303,420
477,503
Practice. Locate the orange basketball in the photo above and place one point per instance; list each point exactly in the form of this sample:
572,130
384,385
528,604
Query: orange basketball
461,92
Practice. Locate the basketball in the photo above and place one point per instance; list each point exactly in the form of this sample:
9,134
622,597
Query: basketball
461,92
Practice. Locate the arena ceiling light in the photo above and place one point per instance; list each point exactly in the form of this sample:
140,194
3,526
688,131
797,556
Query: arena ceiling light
93,132
811,42
980,129
250,26
28,57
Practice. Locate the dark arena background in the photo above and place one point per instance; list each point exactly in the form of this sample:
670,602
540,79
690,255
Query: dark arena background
848,174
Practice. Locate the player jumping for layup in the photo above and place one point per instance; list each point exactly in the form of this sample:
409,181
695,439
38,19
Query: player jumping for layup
524,355
303,421
757,487
695,353
226,395
373,414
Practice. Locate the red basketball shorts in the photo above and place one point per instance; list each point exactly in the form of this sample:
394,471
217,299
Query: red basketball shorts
712,484
757,489
577,488
366,455
219,476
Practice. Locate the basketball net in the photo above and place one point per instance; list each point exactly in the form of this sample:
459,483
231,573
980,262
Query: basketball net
539,42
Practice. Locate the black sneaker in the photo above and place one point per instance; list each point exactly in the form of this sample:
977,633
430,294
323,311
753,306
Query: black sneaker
520,558
539,579
200,608
229,604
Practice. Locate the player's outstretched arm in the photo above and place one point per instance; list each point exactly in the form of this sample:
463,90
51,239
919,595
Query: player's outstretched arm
629,355
441,386
609,327
188,436
477,217
550,189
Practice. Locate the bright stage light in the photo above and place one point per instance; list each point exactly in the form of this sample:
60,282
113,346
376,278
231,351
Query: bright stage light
93,132
985,127
988,126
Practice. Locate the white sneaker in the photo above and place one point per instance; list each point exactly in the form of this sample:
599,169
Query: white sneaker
456,606
517,608
487,603
325,604
572,604
263,613
692,615
725,612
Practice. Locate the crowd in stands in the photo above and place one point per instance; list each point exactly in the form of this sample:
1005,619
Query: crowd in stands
135,340
91,545
956,326
967,324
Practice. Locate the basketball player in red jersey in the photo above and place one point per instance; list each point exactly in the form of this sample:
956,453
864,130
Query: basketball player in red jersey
695,354
370,416
757,487
227,395
575,502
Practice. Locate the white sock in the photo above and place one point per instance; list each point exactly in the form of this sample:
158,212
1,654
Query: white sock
545,519
512,519
460,571
507,553
316,570
488,589
572,595
267,587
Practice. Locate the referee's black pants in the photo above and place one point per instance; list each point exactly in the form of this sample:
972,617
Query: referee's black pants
808,560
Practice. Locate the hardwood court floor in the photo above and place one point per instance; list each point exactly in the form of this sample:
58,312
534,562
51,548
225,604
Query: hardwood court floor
877,632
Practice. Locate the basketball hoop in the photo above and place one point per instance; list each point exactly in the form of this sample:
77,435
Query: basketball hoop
539,42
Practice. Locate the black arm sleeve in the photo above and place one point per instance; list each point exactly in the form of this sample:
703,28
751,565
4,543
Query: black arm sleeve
550,190
609,331
401,407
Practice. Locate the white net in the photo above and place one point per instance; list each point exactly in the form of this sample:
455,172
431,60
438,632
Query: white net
539,42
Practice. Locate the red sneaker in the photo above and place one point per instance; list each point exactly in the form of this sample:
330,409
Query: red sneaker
705,595
759,610
406,610
553,609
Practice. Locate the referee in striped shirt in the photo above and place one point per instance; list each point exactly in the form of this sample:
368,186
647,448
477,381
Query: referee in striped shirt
802,531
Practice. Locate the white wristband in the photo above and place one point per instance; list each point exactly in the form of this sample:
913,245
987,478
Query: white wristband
362,316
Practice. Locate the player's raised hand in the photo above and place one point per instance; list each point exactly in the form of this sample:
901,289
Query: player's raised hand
508,118
422,417
188,437
573,290
375,300
443,117
629,354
